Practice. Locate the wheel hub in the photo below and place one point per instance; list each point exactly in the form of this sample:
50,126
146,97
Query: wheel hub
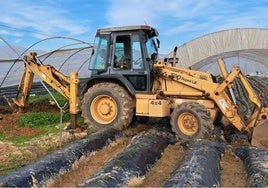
188,124
105,108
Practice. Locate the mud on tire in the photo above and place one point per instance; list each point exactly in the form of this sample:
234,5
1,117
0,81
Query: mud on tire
191,120
107,104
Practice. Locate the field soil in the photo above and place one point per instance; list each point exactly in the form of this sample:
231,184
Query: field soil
12,157
260,138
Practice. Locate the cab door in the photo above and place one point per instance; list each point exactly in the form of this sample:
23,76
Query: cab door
130,60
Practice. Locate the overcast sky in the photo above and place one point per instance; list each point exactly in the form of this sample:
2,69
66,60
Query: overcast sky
23,23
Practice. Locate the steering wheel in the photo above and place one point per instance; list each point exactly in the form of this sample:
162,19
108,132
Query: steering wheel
125,63
138,61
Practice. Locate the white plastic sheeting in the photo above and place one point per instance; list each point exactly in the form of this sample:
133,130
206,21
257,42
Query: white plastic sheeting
250,45
66,61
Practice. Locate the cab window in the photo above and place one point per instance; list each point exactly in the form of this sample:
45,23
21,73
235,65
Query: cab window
128,52
99,58
137,62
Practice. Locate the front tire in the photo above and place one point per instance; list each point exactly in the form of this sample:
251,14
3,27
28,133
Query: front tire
107,104
191,120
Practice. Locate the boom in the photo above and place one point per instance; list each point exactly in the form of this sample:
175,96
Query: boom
66,86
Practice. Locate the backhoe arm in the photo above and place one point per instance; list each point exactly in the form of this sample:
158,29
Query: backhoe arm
25,87
66,86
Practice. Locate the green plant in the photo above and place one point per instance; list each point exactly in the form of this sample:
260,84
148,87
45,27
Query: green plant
2,136
37,98
39,119
20,139
120,163
265,78
106,177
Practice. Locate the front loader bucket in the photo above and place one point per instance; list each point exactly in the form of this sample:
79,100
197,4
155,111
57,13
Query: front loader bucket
260,136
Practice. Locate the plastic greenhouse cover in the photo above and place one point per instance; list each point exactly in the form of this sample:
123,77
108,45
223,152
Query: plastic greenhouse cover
249,45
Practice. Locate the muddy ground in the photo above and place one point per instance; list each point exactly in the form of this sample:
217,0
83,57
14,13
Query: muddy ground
12,157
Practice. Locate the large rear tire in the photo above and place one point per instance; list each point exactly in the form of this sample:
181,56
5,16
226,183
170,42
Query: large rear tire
107,104
191,120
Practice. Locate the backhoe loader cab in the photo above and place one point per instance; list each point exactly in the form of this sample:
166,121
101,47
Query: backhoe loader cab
125,53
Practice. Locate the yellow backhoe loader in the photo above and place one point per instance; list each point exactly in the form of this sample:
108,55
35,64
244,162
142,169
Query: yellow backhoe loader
127,79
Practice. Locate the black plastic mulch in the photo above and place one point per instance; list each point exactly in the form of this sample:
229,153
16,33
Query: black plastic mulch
200,166
256,165
52,165
134,161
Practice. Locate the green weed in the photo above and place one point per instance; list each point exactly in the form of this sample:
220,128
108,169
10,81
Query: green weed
40,119
37,98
